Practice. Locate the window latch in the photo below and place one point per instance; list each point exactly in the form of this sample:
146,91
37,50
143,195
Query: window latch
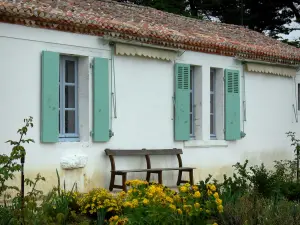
174,102
91,133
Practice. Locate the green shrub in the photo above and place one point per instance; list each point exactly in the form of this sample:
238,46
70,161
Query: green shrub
250,210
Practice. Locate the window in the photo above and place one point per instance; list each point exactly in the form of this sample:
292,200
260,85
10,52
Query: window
298,96
192,105
212,103
68,105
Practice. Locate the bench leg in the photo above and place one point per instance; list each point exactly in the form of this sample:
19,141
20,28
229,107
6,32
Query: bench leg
191,177
179,177
159,177
112,181
148,177
124,175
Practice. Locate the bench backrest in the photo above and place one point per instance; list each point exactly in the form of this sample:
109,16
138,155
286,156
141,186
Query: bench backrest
142,152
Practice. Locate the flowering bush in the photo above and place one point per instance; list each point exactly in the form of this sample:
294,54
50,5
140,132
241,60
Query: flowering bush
155,204
97,199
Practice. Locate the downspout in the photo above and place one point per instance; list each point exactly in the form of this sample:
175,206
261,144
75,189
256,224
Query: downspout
243,134
296,105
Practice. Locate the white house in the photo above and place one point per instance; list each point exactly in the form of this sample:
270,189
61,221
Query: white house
101,74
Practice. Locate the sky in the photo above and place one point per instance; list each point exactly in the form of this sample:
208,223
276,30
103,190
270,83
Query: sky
294,34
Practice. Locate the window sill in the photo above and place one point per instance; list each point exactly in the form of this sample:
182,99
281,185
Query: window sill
72,139
205,144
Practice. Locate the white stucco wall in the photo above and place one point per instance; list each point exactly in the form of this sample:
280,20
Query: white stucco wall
144,110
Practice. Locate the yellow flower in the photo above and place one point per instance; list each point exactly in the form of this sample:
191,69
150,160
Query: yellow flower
127,204
213,187
54,207
195,188
187,185
114,218
219,201
145,201
209,192
169,199
207,211
197,194
220,208
214,223
183,189
197,205
216,195
172,206
135,203
179,211
176,198
187,207
150,195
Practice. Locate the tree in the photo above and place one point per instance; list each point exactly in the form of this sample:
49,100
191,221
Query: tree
258,15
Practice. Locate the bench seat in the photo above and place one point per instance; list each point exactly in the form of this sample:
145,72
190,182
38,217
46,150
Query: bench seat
149,170
155,169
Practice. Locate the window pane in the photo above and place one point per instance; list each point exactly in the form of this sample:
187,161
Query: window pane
298,96
191,124
69,122
70,71
211,81
191,80
59,121
212,130
191,102
69,96
212,103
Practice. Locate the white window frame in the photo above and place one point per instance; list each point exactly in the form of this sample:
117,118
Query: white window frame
298,93
213,96
192,110
62,84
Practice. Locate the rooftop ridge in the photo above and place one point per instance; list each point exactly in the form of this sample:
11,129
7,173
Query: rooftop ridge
148,25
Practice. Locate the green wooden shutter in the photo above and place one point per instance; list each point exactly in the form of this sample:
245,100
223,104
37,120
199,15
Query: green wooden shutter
101,100
232,105
50,97
182,102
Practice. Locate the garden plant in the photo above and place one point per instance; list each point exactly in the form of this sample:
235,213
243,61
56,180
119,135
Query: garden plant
253,195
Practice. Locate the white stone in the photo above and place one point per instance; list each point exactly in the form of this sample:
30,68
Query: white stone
73,161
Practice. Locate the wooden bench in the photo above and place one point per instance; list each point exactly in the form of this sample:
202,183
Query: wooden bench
149,170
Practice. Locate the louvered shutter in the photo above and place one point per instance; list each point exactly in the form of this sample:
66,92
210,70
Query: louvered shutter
182,102
100,100
50,97
232,105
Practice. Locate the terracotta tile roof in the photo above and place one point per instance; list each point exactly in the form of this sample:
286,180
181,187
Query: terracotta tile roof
147,25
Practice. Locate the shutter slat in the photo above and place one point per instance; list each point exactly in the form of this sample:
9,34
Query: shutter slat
182,101
232,105
101,100
50,97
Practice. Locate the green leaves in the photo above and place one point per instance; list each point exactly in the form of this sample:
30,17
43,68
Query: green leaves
9,164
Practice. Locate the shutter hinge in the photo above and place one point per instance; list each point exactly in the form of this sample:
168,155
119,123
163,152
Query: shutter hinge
243,134
111,133
91,65
91,133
